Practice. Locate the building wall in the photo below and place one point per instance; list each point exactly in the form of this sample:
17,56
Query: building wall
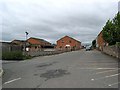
18,42
67,43
7,47
37,45
35,48
100,42
46,44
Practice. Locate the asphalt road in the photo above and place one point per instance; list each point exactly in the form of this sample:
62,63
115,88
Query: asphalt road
78,69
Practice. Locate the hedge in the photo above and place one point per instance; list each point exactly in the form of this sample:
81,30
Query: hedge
14,55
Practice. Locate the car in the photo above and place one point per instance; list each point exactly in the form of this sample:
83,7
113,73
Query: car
88,48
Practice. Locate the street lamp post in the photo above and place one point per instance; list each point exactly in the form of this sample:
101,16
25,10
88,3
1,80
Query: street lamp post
26,34
26,49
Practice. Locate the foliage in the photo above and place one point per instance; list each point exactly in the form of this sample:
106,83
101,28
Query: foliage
94,43
116,22
111,31
118,43
14,55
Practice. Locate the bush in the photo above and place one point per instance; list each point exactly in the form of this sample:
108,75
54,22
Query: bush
14,55
118,43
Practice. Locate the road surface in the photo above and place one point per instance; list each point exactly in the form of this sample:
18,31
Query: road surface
78,69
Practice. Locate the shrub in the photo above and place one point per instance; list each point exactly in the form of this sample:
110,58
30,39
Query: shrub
14,55
118,43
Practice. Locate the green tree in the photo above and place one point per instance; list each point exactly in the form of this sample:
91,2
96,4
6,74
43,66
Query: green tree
108,32
116,22
94,43
111,31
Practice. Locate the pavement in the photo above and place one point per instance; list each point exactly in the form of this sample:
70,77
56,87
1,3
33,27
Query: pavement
77,69
1,72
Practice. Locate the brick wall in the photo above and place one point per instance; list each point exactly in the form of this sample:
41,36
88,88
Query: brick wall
100,42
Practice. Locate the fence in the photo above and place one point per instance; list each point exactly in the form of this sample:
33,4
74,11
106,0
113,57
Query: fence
7,47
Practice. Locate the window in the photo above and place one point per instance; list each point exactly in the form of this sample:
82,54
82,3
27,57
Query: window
35,47
70,41
62,41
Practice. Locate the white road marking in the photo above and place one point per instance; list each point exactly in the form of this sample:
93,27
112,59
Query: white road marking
106,71
105,77
99,68
12,80
112,75
106,68
113,84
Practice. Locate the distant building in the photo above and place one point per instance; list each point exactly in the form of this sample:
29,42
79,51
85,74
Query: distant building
68,43
9,47
37,44
18,42
21,43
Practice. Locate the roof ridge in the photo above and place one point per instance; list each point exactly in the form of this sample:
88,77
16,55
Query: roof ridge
40,39
69,37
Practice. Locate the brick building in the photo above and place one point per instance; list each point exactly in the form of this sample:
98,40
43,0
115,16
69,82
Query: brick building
100,42
68,43
37,44
22,43
18,42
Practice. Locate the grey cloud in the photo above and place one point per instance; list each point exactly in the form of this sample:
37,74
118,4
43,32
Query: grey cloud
52,19
5,36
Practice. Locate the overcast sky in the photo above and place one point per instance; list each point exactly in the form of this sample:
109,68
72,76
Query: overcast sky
53,19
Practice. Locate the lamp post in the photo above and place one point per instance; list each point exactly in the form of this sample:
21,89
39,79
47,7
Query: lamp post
26,33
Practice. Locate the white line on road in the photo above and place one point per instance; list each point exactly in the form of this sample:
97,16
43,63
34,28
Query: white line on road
105,68
113,84
112,75
99,68
105,71
12,80
105,77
